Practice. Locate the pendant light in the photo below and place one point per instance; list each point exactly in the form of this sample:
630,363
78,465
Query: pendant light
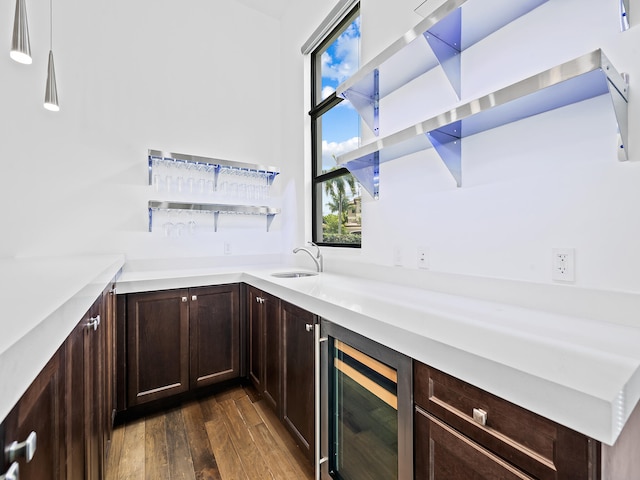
51,91
20,46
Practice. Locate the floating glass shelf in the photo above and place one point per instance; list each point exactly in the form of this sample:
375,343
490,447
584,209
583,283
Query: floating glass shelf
212,208
585,77
437,40
203,172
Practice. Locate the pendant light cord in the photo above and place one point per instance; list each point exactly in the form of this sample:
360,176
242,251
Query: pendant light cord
51,25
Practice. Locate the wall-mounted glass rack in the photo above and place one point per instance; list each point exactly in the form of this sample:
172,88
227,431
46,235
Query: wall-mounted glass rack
585,77
190,174
437,40
213,209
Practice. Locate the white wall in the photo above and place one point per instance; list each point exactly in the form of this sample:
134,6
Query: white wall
549,181
195,77
220,79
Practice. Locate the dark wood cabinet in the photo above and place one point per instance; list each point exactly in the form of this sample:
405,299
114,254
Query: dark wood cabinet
182,339
41,410
463,432
214,330
89,391
69,404
255,338
157,345
272,351
264,332
298,375
446,454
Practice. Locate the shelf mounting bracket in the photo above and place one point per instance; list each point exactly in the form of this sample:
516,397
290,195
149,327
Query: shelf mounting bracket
447,142
367,171
445,40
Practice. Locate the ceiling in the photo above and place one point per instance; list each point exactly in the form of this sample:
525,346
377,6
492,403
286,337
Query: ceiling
273,8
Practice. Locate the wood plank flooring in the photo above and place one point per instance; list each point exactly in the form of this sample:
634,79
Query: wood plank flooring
229,436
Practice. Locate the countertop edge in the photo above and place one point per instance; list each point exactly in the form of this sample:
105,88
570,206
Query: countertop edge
21,363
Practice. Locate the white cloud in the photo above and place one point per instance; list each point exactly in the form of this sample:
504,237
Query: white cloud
331,150
346,56
326,91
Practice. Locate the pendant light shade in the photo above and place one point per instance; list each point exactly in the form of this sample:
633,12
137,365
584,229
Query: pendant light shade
20,46
51,91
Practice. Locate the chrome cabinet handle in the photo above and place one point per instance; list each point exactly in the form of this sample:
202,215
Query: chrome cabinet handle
480,416
259,299
94,322
184,299
194,298
13,473
24,449
308,327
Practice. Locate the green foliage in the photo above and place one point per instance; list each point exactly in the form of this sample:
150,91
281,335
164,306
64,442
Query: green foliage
344,238
330,223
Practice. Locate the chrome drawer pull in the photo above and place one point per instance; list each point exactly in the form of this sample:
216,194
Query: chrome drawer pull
94,322
308,327
24,449
480,416
13,473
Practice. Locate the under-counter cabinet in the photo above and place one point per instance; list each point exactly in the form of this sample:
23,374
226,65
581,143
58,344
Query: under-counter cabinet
462,432
298,375
179,340
263,337
69,405
89,400
40,410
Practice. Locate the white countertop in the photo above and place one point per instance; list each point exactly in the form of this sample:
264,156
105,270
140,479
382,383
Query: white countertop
41,301
582,373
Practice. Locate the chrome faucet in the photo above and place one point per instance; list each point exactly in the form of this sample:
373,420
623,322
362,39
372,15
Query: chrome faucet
317,258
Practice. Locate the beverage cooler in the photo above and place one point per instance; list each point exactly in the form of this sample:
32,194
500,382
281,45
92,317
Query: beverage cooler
364,422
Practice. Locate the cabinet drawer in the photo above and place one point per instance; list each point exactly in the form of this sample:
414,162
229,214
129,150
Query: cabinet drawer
442,453
540,447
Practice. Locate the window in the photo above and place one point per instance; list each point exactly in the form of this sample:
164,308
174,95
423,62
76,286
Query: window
335,129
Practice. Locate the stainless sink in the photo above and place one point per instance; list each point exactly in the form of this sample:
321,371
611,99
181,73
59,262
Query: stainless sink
294,274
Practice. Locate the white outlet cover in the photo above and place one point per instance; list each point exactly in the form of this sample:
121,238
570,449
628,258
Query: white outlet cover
563,265
422,257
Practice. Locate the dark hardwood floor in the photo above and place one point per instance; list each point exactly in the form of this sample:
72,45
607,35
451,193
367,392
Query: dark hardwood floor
232,435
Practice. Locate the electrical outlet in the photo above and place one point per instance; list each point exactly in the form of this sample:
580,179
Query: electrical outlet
227,248
563,265
397,256
423,257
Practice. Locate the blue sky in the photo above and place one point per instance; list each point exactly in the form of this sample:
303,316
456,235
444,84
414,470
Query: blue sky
341,126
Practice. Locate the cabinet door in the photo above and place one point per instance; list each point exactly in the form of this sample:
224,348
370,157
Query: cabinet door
94,394
40,410
157,345
75,420
442,453
215,334
298,375
272,355
255,325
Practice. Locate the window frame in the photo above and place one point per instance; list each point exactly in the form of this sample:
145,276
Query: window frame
317,110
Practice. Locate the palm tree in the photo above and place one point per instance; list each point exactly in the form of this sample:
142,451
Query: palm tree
336,189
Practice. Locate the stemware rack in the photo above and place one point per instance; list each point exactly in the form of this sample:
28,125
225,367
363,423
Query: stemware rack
197,178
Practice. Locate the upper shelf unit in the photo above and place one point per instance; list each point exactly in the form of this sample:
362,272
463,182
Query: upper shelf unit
437,40
585,77
208,167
